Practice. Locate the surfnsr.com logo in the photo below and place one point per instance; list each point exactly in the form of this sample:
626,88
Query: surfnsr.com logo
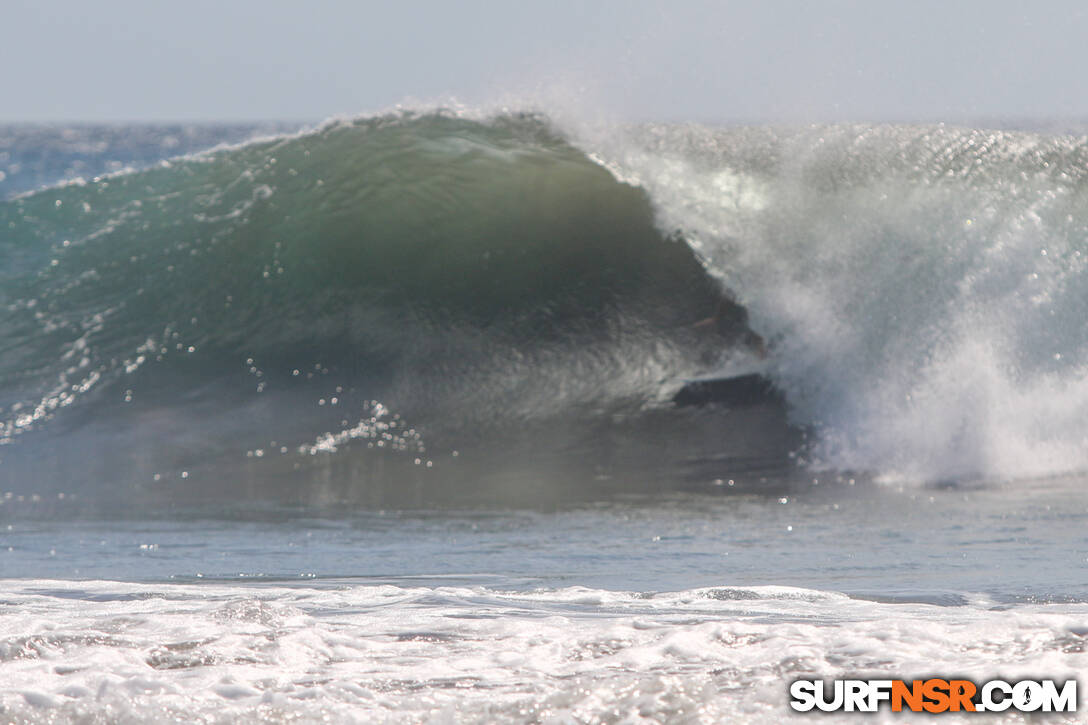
934,695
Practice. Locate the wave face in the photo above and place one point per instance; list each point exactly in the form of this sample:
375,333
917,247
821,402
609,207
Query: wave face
399,308
277,313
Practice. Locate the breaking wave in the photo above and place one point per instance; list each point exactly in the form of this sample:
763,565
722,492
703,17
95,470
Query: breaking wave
360,311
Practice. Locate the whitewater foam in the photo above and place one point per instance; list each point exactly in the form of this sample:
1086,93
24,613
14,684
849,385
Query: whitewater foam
923,286
227,653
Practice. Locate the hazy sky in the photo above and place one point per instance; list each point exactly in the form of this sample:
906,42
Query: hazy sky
752,60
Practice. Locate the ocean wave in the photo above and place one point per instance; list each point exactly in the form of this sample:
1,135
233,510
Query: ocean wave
383,282
325,314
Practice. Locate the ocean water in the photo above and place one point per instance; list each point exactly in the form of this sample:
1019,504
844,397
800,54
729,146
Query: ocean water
374,421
